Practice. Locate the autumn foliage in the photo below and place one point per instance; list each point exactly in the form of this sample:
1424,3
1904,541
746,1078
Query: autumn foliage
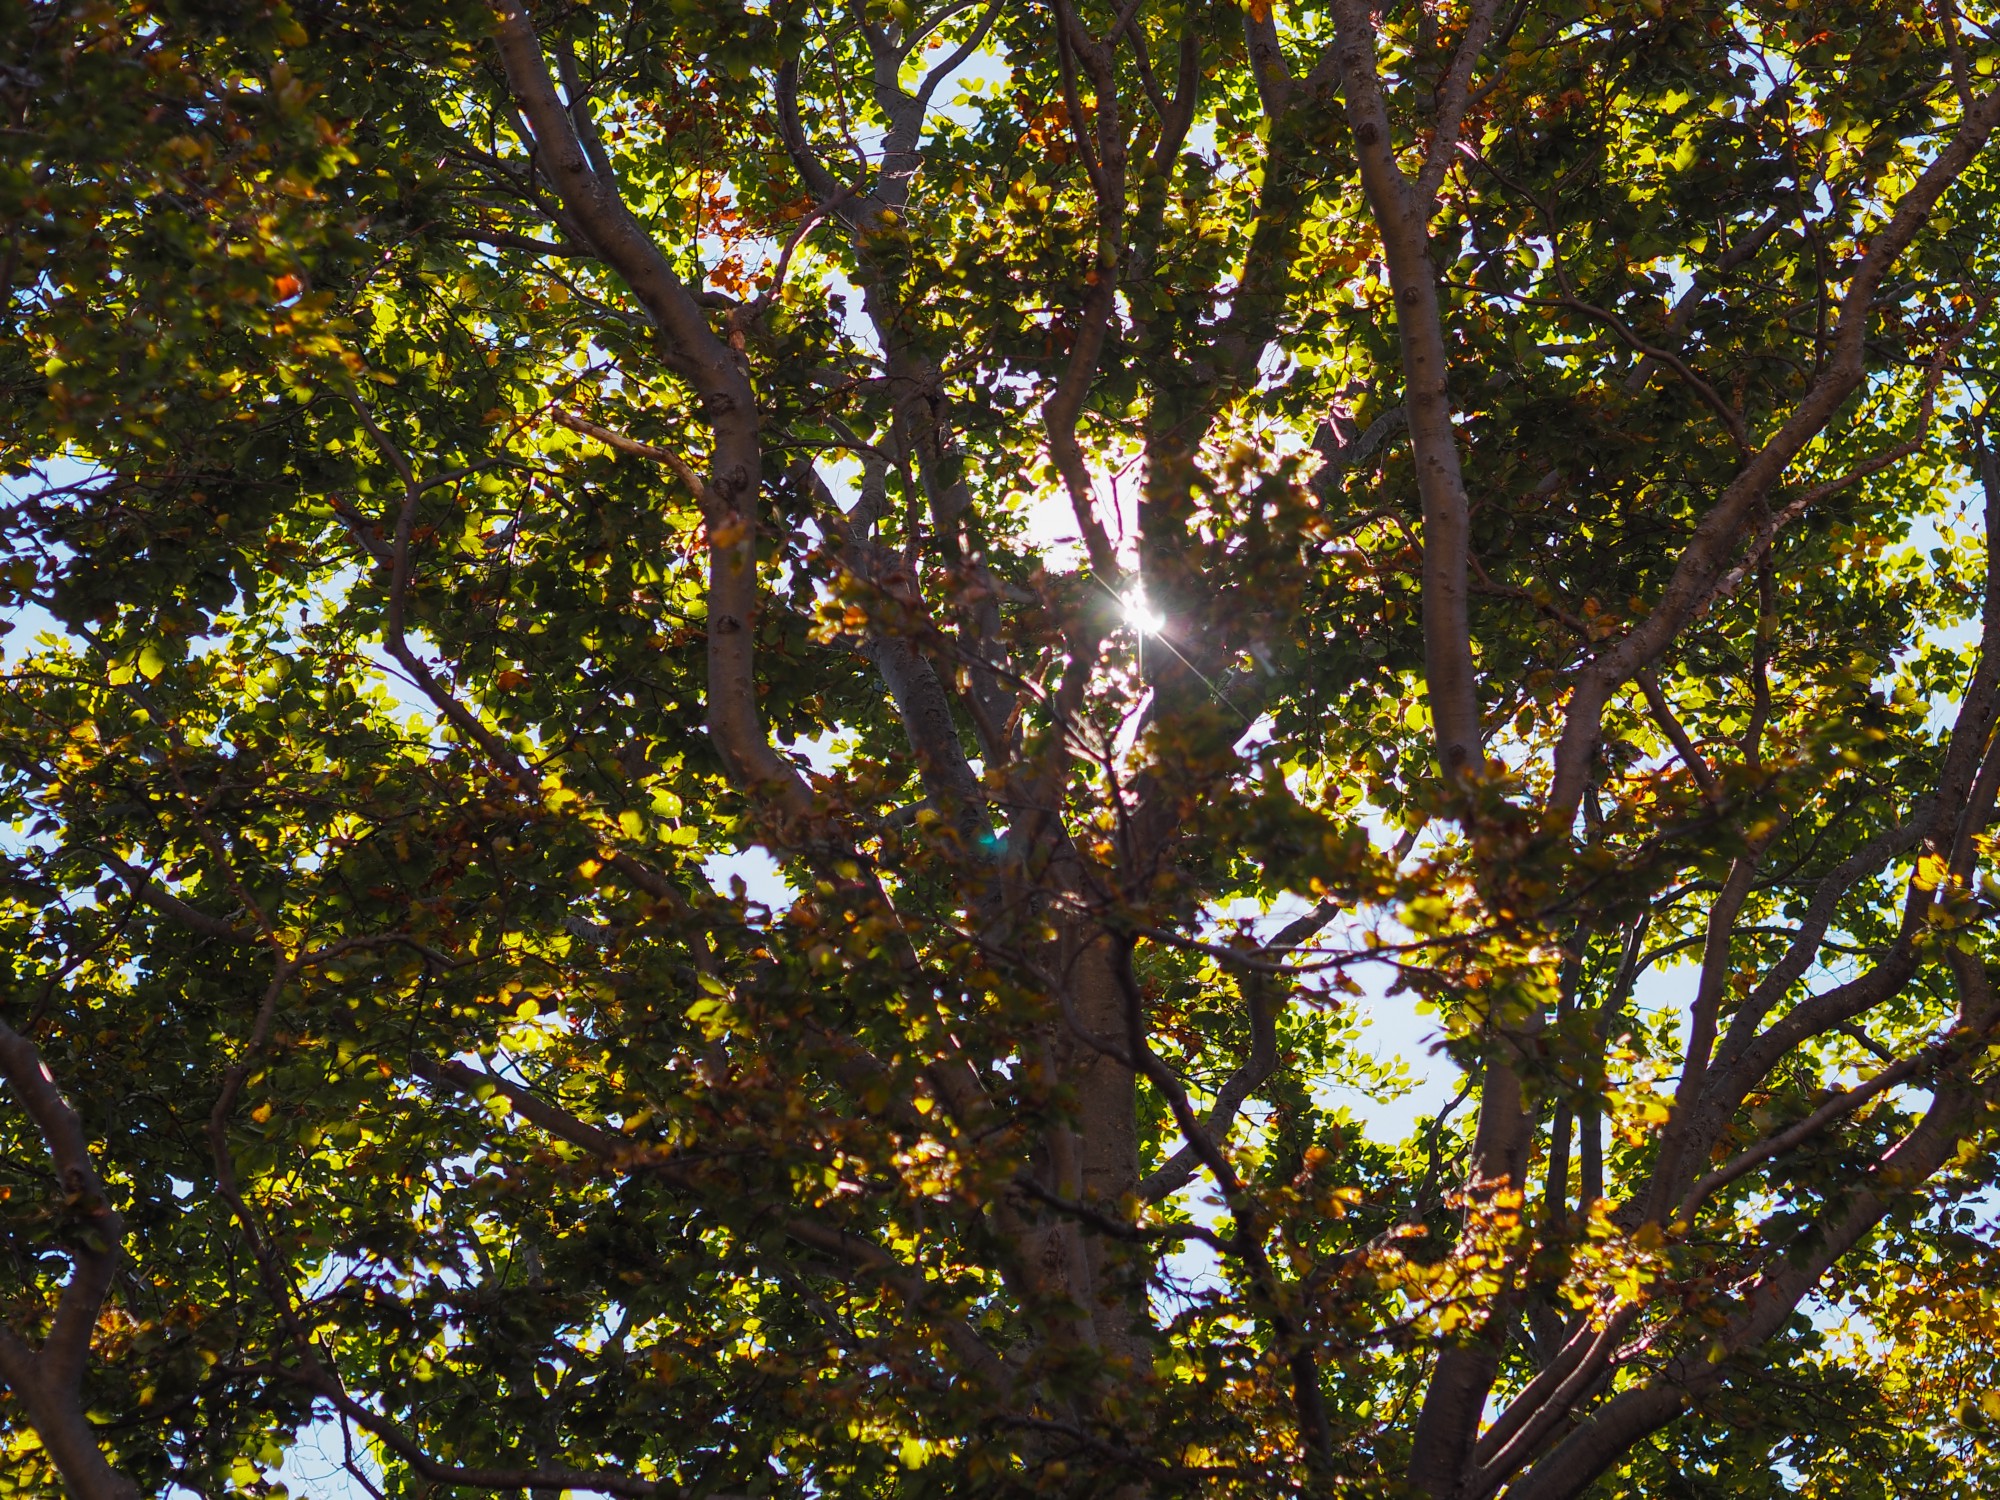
721,719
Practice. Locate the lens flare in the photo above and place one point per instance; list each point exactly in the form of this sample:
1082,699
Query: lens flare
1141,616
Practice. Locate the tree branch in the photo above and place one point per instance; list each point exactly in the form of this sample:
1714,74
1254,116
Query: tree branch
1731,419
1703,561
1255,1070
1268,67
49,1382
1400,213
1663,715
615,1152
637,449
1598,1442
697,353
1064,405
1453,98
147,889
1293,1342
411,1452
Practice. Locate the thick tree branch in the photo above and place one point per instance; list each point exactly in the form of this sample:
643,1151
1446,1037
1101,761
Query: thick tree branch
1273,75
623,444
1401,212
719,378
920,698
1595,1444
920,420
1842,1104
1940,830
1546,1403
49,1382
1706,557
960,54
1865,863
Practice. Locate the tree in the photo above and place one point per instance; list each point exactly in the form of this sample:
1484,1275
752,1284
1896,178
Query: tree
476,474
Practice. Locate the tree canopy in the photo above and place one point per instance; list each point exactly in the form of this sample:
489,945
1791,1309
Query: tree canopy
1165,527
